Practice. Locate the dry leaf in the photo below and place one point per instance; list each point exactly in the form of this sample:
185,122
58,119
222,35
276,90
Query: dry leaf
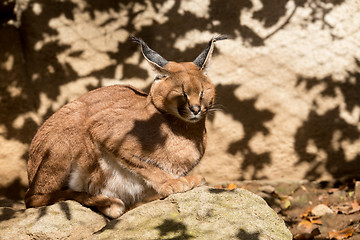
351,193
285,204
306,213
342,234
305,226
315,220
231,186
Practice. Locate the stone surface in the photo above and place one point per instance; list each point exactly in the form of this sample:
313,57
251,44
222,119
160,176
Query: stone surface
202,213
63,220
321,210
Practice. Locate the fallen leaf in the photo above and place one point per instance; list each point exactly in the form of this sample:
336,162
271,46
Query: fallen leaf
315,220
306,213
305,226
231,186
342,234
285,204
351,193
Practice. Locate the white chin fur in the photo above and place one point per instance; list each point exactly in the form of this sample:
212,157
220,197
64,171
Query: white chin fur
192,118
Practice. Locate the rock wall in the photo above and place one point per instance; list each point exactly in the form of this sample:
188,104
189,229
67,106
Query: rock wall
287,82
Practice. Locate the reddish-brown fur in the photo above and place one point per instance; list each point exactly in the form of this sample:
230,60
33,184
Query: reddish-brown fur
152,140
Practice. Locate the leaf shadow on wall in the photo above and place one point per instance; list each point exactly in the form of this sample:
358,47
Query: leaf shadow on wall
329,132
252,119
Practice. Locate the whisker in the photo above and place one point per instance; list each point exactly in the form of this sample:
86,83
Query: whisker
215,107
215,110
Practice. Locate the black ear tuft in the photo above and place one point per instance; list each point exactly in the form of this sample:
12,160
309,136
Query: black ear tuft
221,37
203,59
150,55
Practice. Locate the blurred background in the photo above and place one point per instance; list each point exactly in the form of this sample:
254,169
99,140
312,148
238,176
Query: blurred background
288,82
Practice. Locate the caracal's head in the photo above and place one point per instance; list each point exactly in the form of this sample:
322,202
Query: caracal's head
182,89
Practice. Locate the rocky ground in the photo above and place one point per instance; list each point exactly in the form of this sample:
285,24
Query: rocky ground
202,213
312,210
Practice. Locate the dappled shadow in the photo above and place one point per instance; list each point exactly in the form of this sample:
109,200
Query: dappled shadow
151,136
329,132
320,9
64,206
14,190
42,212
15,97
7,213
230,22
65,209
253,121
172,227
154,137
111,225
221,190
217,190
9,209
7,11
45,73
243,235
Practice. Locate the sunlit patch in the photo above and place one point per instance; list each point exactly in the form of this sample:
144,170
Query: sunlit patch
37,8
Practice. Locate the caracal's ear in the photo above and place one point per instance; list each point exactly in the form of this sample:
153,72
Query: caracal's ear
203,60
155,60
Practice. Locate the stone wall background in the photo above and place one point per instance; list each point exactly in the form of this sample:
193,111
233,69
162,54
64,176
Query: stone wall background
288,81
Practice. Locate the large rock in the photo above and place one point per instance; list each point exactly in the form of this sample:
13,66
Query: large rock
203,213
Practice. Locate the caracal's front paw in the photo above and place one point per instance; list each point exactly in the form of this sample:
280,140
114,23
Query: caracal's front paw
181,184
195,180
114,210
